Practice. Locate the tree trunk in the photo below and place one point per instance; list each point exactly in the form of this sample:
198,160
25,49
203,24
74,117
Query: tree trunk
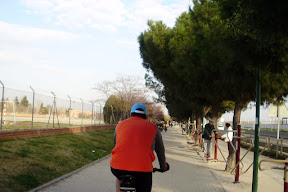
231,161
215,113
198,127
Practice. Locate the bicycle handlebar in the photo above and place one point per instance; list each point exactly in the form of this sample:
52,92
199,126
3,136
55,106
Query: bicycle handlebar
167,167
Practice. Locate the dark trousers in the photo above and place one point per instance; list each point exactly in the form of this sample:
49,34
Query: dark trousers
143,179
229,146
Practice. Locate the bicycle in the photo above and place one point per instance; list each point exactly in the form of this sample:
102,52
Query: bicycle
128,182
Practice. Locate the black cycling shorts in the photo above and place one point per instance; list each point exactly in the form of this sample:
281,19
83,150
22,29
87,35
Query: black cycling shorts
143,179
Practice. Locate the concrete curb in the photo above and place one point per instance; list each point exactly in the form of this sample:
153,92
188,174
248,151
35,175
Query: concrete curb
68,174
218,179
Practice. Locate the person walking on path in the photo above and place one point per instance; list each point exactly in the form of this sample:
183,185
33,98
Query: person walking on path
183,127
135,140
207,136
228,136
160,126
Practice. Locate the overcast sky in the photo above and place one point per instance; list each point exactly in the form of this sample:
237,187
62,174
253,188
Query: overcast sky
66,46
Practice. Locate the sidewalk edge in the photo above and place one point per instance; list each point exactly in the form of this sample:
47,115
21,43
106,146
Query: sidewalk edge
218,179
68,174
212,172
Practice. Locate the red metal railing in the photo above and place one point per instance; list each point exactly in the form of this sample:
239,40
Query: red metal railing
285,168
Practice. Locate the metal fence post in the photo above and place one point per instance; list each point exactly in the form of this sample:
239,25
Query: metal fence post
33,106
92,116
281,152
112,115
69,109
95,113
2,104
215,147
100,114
277,144
82,112
269,144
201,143
54,106
286,177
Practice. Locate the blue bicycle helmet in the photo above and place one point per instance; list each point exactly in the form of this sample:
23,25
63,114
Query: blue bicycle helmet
137,106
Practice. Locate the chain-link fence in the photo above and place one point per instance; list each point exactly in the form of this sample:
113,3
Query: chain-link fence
26,110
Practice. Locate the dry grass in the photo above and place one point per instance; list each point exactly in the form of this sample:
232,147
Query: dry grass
36,125
28,163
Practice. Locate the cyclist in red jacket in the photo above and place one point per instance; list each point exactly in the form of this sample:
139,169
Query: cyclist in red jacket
135,140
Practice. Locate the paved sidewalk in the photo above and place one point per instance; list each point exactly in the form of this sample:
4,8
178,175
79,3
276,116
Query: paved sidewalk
189,172
270,180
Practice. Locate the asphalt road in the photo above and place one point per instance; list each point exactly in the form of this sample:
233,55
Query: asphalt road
273,134
264,136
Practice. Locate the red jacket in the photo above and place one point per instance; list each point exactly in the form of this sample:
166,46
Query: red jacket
134,145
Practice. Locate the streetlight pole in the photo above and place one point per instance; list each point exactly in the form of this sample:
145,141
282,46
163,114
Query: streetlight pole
257,126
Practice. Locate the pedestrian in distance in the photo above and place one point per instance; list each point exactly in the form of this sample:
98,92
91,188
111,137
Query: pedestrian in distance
228,135
190,128
161,127
135,140
158,124
183,127
207,136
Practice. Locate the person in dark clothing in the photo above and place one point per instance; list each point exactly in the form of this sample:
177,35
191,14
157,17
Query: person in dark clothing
207,136
183,127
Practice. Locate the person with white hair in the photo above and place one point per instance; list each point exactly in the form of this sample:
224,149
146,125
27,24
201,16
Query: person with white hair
228,136
207,136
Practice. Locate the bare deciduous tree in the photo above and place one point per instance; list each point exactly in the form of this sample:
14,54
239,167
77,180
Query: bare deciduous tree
158,112
126,88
